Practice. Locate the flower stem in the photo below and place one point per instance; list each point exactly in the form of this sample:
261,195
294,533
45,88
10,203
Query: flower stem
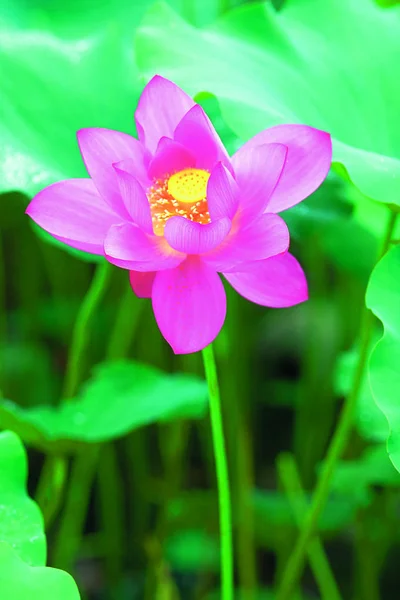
126,323
54,471
80,332
50,488
222,474
76,505
319,562
110,495
336,448
3,308
239,443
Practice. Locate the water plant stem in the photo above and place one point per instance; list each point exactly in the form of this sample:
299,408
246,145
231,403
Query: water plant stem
74,514
85,464
3,311
50,488
224,499
110,492
126,324
289,475
54,471
338,444
235,391
80,332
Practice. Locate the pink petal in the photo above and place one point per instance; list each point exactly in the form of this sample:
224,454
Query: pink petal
189,305
74,212
265,237
257,174
134,197
100,149
222,193
308,161
142,283
169,158
195,238
160,108
196,133
129,247
276,282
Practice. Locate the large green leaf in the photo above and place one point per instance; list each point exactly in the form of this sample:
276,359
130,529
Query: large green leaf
383,298
52,87
21,523
71,18
22,540
355,478
120,397
329,64
64,66
19,581
369,419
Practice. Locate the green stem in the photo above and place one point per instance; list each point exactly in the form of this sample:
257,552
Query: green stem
111,504
243,489
366,564
3,311
336,448
138,474
319,563
318,360
173,439
54,471
235,391
109,489
126,323
80,332
75,510
51,486
222,474
84,465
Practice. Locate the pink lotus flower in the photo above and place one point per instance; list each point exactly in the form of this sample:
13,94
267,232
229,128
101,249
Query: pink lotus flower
175,210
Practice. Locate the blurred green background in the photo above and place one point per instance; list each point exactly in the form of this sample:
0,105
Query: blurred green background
124,473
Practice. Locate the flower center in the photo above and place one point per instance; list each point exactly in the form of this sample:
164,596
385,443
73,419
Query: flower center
189,185
182,194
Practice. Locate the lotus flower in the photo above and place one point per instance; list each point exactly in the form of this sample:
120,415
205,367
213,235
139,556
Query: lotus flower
175,210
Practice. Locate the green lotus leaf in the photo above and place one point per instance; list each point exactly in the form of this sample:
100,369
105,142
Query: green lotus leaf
312,62
22,540
85,83
19,581
61,70
65,66
120,397
355,478
21,523
369,420
383,298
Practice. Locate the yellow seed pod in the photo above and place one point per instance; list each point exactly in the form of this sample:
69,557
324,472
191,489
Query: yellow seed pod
189,185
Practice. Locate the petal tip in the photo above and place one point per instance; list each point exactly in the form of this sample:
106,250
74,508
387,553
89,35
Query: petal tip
81,133
28,210
158,77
